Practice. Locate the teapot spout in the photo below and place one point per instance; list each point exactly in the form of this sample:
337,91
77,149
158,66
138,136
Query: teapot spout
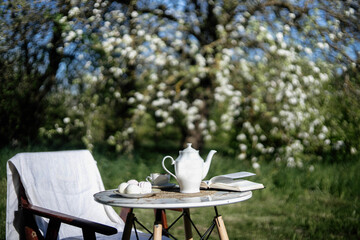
207,163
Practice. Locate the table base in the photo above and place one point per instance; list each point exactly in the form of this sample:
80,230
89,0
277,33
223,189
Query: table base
159,229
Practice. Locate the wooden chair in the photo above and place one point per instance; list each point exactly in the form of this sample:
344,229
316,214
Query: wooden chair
31,230
50,196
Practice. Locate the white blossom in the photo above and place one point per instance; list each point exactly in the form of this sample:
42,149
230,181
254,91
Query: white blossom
242,156
66,120
74,11
256,165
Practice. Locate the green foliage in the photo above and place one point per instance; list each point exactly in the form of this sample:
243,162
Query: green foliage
29,63
342,106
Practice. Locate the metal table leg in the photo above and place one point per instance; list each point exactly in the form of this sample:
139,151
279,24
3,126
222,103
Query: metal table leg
128,225
187,224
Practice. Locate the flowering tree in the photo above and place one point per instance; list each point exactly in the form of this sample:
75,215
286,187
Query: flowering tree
264,64
250,75
213,66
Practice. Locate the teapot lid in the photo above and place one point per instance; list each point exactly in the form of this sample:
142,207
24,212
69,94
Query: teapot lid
189,149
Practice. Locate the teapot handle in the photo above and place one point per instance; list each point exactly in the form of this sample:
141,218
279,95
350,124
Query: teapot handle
172,163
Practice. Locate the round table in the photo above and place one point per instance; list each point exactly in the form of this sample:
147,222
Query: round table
173,200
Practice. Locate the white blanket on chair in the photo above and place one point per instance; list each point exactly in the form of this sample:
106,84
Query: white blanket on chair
62,181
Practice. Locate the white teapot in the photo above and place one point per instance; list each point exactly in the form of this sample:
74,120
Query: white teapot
190,169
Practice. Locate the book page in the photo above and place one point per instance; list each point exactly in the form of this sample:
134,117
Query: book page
245,185
219,179
238,175
226,178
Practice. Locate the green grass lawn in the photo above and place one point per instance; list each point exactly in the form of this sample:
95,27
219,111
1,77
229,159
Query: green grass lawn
296,203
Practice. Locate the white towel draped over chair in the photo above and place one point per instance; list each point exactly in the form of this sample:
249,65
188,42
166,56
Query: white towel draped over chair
63,181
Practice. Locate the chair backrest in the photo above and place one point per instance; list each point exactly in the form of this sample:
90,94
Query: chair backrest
63,181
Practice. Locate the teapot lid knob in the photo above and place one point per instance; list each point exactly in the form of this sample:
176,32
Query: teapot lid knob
189,149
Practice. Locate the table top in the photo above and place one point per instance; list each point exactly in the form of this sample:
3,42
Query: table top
173,199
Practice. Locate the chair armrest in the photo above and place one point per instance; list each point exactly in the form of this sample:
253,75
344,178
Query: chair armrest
71,220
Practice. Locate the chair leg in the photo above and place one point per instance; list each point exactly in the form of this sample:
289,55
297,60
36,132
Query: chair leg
123,213
30,234
52,230
31,230
88,235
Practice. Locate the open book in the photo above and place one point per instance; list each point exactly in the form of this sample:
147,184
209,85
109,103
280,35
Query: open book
232,182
